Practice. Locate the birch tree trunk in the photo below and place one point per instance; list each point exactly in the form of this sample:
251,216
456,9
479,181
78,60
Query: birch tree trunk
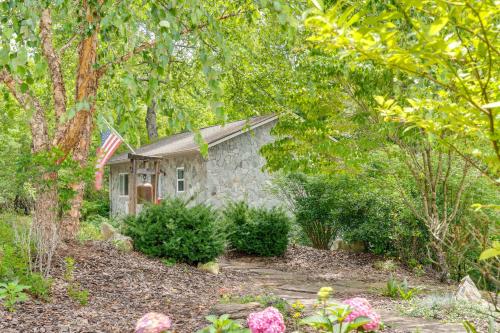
151,121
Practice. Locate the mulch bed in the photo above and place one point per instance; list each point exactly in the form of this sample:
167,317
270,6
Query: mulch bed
122,288
125,286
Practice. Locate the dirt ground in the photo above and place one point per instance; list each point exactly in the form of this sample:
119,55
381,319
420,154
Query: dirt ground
124,286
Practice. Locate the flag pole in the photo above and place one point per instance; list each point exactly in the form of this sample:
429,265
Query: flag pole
116,132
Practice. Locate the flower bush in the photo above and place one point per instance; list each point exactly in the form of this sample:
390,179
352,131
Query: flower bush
362,308
352,315
153,322
268,321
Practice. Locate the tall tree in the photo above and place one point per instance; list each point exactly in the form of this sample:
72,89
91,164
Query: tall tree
58,45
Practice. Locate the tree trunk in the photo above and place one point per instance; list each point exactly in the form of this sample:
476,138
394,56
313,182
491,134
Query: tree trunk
441,261
71,220
151,121
44,227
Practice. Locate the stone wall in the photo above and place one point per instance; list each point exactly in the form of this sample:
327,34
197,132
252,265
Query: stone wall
234,170
194,177
231,172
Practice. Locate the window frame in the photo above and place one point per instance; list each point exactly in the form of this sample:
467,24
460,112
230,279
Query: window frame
183,180
120,177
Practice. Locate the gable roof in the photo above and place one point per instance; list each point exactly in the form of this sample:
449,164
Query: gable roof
184,142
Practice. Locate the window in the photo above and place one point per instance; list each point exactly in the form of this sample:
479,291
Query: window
123,184
159,191
180,180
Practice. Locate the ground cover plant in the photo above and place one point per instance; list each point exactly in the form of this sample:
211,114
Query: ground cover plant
174,230
258,231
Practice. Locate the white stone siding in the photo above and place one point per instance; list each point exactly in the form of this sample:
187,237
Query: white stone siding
231,172
234,170
194,177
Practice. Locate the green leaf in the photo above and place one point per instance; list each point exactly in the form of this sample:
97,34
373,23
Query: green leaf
318,4
437,26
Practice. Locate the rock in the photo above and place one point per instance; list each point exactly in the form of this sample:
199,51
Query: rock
122,243
468,291
107,231
210,267
340,244
235,310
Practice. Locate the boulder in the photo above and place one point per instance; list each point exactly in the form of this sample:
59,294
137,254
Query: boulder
342,245
122,243
468,291
209,267
235,310
107,231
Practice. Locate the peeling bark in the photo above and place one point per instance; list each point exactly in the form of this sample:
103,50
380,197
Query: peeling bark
151,121
58,88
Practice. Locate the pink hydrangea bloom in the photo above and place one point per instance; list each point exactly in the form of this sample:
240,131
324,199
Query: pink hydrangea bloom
361,308
268,321
153,323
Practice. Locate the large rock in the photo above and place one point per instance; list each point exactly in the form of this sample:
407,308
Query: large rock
468,291
235,310
210,267
122,243
107,231
340,244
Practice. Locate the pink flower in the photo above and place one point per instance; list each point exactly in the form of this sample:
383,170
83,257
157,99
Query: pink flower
361,308
153,323
268,321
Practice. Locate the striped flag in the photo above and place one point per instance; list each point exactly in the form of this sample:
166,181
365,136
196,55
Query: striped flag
110,141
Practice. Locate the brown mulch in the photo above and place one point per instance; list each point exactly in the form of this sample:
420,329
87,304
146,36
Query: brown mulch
339,265
125,286
122,288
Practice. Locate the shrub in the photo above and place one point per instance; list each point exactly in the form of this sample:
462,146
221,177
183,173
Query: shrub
312,199
445,307
173,230
257,231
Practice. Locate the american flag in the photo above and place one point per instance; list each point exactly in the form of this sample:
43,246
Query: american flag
110,141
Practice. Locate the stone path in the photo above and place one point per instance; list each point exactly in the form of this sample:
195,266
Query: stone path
293,286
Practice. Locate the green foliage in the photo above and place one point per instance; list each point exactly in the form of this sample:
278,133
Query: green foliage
331,316
81,296
12,293
448,49
74,290
358,209
69,269
386,265
223,324
265,300
14,256
397,289
174,230
259,231
88,232
445,307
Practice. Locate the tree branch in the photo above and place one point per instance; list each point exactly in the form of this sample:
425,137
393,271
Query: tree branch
150,44
39,132
59,91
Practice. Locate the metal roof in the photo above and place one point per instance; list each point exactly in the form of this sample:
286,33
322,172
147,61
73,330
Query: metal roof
184,143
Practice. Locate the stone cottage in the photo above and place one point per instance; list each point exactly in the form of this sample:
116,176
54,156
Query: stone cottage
174,167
